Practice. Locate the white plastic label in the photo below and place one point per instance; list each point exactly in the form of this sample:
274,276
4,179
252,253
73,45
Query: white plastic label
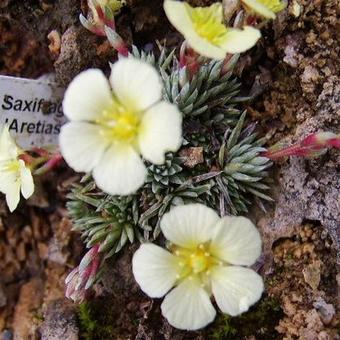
32,109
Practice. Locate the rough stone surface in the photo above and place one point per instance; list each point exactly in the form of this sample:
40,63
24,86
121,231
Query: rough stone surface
25,323
60,322
309,190
3,299
308,300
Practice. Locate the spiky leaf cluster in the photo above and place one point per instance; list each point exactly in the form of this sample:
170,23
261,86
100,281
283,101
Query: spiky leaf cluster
210,95
110,221
205,94
243,169
156,206
163,176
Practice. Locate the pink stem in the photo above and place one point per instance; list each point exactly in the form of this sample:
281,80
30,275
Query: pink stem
294,150
26,158
123,50
51,164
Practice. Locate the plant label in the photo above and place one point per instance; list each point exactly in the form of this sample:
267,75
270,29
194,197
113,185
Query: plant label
32,109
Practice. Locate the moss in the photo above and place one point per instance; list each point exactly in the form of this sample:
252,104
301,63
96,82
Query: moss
259,321
93,323
223,329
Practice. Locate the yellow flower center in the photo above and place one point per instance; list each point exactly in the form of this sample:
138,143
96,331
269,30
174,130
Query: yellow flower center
119,124
208,22
12,166
194,261
199,261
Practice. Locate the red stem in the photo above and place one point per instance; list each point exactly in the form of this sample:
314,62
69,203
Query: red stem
123,50
295,150
26,158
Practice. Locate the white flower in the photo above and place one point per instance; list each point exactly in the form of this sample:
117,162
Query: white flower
203,29
14,175
110,128
264,8
206,256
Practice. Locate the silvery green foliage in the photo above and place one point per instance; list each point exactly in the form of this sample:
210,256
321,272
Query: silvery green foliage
163,176
207,95
110,221
244,170
232,175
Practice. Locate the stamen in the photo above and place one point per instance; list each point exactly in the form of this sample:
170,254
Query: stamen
119,123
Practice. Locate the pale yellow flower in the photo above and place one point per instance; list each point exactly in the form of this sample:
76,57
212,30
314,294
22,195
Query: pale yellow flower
111,127
15,176
207,258
203,29
264,8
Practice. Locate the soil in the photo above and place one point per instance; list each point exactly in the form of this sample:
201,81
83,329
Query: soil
293,76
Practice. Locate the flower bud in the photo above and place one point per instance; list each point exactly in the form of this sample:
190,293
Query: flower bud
82,277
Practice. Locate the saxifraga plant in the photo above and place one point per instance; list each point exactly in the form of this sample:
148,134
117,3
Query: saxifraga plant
230,174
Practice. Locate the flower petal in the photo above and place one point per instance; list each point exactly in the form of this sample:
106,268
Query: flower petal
188,306
27,184
178,15
154,269
87,96
13,197
235,288
120,171
240,40
6,176
10,186
8,148
160,131
189,225
259,8
81,145
236,241
136,84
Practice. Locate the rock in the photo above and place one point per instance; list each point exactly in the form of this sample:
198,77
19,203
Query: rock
55,252
60,322
325,310
292,57
192,156
25,323
6,335
79,51
55,42
311,274
3,298
58,251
